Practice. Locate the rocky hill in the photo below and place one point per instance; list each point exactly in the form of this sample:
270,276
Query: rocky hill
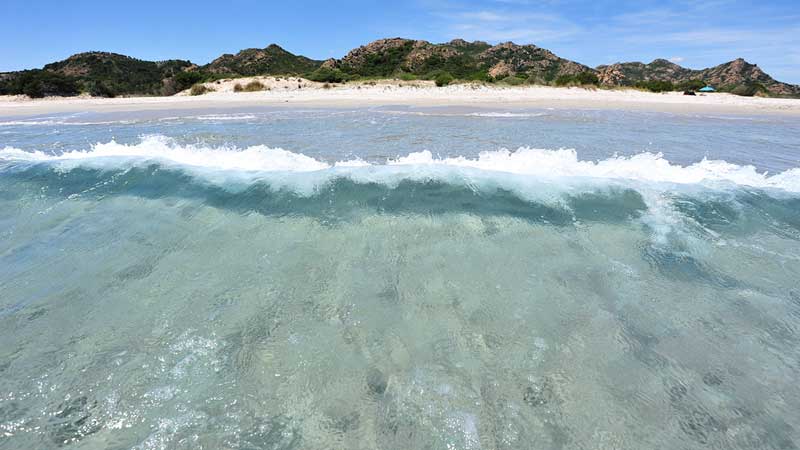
466,60
737,76
110,74
272,60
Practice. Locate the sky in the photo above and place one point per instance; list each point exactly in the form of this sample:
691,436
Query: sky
694,34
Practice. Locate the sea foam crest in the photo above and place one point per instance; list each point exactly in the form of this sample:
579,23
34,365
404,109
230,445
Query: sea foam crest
525,163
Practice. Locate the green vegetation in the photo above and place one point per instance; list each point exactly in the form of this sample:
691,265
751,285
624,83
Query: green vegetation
405,76
184,80
691,85
443,79
109,74
746,90
200,89
515,80
38,84
253,86
328,75
580,79
383,64
655,86
272,60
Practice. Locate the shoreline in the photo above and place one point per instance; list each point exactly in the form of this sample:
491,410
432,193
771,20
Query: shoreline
413,94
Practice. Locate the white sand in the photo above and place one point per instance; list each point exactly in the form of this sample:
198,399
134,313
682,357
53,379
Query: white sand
296,91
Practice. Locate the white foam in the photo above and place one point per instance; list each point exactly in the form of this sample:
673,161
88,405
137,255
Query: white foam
555,166
48,122
506,115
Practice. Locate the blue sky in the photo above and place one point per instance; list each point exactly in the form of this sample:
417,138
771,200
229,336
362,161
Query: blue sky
694,34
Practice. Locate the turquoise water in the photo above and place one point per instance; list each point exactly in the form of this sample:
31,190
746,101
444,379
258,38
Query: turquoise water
399,278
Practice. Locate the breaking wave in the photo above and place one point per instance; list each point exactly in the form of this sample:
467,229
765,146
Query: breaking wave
502,168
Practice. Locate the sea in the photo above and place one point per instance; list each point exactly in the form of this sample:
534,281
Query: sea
399,278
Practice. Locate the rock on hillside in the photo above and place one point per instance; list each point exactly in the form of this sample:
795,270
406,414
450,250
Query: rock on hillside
541,64
628,74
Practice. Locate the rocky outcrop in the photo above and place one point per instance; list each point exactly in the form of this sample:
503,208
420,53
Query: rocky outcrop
628,74
536,62
501,70
330,63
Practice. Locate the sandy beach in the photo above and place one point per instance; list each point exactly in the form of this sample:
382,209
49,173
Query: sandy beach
282,91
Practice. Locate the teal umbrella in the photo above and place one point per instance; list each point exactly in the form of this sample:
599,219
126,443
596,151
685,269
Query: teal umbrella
707,89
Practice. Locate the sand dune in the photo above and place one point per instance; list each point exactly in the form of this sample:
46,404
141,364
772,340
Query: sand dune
293,91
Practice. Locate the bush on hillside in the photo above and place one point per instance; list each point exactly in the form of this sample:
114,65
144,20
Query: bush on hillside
585,78
40,83
749,90
405,76
253,86
513,81
655,86
581,79
443,79
691,85
327,75
200,89
184,80
100,89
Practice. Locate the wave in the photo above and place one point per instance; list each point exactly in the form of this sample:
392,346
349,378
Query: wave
680,205
487,114
498,168
61,121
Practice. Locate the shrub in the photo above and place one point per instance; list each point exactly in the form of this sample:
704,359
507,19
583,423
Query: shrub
327,75
748,90
581,79
183,80
100,89
405,76
481,75
655,86
584,78
40,83
691,85
33,89
253,86
564,80
513,81
200,89
443,79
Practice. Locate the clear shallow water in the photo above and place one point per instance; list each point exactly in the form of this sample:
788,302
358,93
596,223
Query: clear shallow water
316,279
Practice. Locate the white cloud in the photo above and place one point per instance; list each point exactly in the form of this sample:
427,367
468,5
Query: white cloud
502,25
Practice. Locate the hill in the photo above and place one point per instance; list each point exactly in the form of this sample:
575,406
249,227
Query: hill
272,60
96,73
111,74
461,59
738,76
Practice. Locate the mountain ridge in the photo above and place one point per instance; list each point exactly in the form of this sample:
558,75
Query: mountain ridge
109,74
